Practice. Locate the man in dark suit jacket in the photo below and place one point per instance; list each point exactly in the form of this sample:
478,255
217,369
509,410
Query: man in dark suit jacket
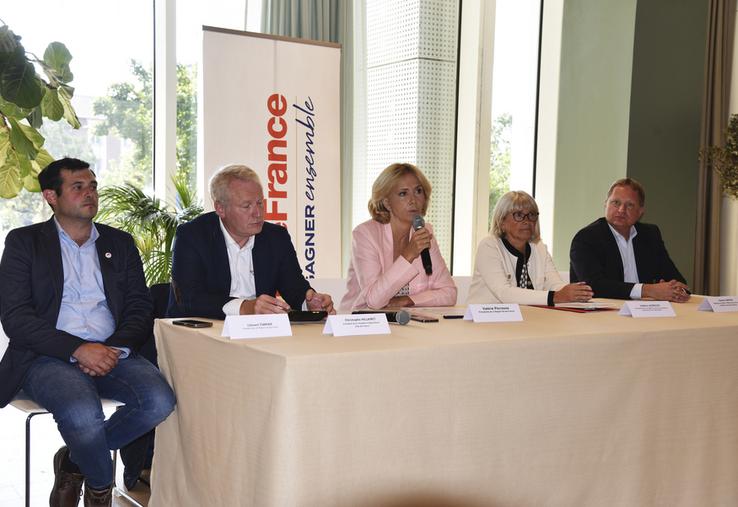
75,308
232,262
622,258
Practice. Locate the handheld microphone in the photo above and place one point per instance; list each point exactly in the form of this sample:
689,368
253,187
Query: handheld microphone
419,223
400,317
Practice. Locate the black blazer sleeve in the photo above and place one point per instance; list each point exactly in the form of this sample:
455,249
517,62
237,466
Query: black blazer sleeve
276,268
30,305
200,272
652,258
201,279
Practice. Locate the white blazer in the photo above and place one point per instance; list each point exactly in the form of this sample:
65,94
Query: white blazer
494,275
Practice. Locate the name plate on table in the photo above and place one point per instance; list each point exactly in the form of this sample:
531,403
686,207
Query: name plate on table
356,324
647,309
493,313
719,304
240,327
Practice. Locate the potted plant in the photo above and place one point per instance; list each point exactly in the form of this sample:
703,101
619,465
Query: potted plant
26,98
724,159
151,222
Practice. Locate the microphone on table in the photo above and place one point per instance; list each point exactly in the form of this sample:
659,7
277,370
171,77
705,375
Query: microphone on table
419,223
400,317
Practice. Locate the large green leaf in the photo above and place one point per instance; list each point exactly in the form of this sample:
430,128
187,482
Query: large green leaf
33,135
57,57
41,161
24,163
19,83
4,143
65,98
51,107
36,118
30,183
8,40
10,109
21,144
10,181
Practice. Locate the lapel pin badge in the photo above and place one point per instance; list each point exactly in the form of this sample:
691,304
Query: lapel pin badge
108,255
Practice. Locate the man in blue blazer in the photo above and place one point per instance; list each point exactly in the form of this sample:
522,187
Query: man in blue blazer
76,308
622,258
231,262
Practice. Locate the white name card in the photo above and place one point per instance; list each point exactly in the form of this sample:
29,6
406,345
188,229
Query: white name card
719,304
240,327
356,324
493,313
647,309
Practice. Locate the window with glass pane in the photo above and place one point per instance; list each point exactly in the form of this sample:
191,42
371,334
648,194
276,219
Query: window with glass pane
514,97
111,44
191,16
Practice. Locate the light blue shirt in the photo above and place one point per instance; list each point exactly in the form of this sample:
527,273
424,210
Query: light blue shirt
627,254
84,308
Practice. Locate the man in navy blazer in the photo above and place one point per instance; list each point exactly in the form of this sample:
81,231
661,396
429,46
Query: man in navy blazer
232,262
622,258
76,308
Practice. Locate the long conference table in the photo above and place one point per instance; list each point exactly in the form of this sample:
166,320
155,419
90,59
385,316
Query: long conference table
562,409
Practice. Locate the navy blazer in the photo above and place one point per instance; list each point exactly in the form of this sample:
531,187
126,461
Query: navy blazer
32,277
201,275
595,259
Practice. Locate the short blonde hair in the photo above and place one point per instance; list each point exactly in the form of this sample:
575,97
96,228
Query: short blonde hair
386,181
515,200
221,180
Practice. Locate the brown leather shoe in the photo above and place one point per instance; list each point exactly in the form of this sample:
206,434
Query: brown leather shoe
98,497
67,485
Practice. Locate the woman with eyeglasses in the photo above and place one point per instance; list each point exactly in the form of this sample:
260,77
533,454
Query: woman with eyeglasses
513,264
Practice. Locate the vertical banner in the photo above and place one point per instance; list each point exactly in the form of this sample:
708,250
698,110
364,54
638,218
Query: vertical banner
273,104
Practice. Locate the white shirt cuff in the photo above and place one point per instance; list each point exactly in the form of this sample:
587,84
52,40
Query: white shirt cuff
635,292
233,307
124,352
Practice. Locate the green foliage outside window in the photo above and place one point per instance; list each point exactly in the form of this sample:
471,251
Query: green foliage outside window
500,158
128,113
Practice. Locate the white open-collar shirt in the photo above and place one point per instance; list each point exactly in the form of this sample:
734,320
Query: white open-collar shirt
241,265
627,254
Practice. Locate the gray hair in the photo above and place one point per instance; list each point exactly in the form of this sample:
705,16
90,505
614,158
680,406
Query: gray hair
515,200
221,180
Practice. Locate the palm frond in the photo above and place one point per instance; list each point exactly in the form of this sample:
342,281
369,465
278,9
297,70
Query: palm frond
151,222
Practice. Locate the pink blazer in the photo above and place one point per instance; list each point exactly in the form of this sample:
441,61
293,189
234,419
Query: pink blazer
374,277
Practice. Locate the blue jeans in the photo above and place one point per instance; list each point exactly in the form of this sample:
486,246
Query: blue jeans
73,398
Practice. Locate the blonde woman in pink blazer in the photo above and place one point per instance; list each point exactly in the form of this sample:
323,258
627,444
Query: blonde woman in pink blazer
386,267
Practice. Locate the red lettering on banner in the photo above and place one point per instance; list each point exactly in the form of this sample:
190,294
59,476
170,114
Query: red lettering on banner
277,175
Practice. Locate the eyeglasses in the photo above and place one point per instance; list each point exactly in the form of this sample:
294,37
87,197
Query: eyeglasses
616,203
519,216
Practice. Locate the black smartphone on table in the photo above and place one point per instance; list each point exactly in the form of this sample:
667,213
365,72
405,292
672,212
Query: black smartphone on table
306,315
192,323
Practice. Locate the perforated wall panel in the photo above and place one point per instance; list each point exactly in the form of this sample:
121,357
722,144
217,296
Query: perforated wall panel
411,99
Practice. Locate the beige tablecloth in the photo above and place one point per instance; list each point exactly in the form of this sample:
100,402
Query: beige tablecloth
562,409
